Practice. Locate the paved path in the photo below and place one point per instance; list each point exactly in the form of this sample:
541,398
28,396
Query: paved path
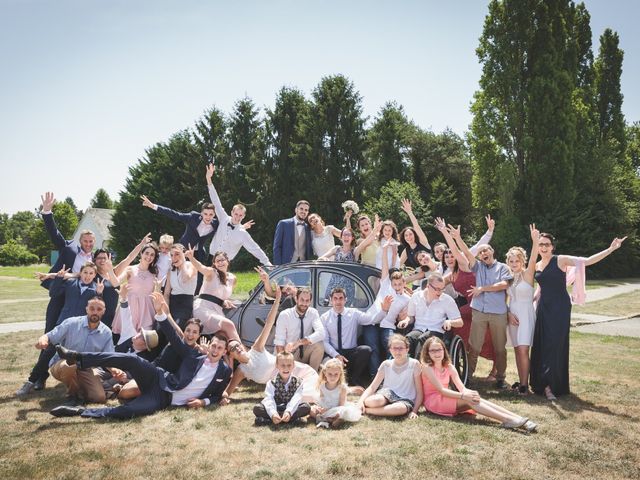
577,320
626,328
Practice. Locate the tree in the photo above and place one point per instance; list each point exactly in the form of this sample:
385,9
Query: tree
388,148
388,205
69,201
633,145
334,146
608,70
101,200
67,222
13,253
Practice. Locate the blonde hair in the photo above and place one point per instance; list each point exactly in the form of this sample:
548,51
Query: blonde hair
166,239
284,356
240,207
334,362
517,252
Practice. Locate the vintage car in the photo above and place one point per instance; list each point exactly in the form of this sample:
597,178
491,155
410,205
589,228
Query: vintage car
362,283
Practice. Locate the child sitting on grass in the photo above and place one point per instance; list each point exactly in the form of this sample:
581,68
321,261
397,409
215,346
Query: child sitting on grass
283,396
332,408
438,373
401,392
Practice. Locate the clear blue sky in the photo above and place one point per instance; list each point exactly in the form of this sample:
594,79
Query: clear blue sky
88,85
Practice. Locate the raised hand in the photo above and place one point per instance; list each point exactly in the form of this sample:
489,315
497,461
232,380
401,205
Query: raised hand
616,243
454,232
146,239
159,303
47,201
491,223
248,225
535,233
62,271
100,286
264,276
124,292
203,345
386,303
440,224
406,206
210,170
147,203
189,252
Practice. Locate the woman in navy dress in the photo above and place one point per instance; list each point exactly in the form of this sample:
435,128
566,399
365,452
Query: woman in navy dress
550,349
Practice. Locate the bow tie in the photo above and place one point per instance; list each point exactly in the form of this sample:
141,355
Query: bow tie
231,226
85,285
300,224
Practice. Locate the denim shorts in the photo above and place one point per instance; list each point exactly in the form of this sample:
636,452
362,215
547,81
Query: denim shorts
393,397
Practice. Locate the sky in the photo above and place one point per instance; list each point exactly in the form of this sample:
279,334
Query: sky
87,86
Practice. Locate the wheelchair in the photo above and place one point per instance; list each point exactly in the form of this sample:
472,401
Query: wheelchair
457,353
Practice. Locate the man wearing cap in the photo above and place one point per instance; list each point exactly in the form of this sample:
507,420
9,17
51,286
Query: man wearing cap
86,333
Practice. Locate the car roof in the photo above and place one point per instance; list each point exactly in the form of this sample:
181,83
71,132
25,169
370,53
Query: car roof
358,269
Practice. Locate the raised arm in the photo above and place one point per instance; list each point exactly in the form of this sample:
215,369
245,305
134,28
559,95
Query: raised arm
48,200
268,324
167,212
455,234
463,262
205,271
533,258
385,263
213,195
565,260
254,249
330,254
486,238
406,206
133,254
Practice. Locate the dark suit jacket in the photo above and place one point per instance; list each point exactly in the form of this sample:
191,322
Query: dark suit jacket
284,240
192,360
190,236
67,249
75,303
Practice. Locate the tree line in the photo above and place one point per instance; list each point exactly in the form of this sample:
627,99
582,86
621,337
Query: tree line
548,144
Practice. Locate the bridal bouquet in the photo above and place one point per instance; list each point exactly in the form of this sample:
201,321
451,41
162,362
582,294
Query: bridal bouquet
351,205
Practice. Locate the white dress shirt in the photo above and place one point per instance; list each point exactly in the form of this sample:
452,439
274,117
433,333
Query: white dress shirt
431,316
351,318
82,257
288,327
204,376
270,403
390,317
230,238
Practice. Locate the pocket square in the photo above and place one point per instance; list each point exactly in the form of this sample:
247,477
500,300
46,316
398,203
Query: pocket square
218,380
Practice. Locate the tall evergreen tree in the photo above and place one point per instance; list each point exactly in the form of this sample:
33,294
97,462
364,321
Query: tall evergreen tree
101,200
388,148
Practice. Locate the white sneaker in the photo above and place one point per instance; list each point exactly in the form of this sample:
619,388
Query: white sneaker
530,426
26,389
322,425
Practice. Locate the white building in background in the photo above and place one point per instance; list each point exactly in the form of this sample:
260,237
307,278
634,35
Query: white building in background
98,220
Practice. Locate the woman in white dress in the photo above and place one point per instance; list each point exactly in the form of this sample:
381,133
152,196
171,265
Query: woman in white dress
322,236
522,315
259,365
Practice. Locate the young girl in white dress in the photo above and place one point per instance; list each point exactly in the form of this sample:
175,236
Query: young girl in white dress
332,408
521,314
401,385
259,365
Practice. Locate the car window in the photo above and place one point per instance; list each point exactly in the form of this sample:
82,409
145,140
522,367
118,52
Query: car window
374,283
356,296
295,277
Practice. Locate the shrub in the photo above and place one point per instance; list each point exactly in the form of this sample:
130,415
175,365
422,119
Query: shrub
12,253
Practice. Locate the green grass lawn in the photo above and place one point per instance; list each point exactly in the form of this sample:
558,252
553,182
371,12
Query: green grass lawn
22,299
592,433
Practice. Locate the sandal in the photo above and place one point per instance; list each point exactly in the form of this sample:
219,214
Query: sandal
549,394
490,378
515,386
523,390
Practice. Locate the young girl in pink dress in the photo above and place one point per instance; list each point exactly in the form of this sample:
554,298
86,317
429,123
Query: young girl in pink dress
437,374
141,279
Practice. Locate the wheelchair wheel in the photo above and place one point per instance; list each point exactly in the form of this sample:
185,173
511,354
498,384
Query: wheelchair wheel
458,355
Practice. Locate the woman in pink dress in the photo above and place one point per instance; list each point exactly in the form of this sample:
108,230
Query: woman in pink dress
438,373
215,295
141,279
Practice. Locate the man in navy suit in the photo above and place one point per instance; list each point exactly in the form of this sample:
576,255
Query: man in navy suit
199,382
292,240
199,228
71,254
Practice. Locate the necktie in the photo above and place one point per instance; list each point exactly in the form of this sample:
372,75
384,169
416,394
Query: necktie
230,225
340,333
301,333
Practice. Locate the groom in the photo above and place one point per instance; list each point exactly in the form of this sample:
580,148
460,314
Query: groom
292,240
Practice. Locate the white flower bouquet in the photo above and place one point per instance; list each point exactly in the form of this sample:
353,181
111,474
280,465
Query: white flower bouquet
351,205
